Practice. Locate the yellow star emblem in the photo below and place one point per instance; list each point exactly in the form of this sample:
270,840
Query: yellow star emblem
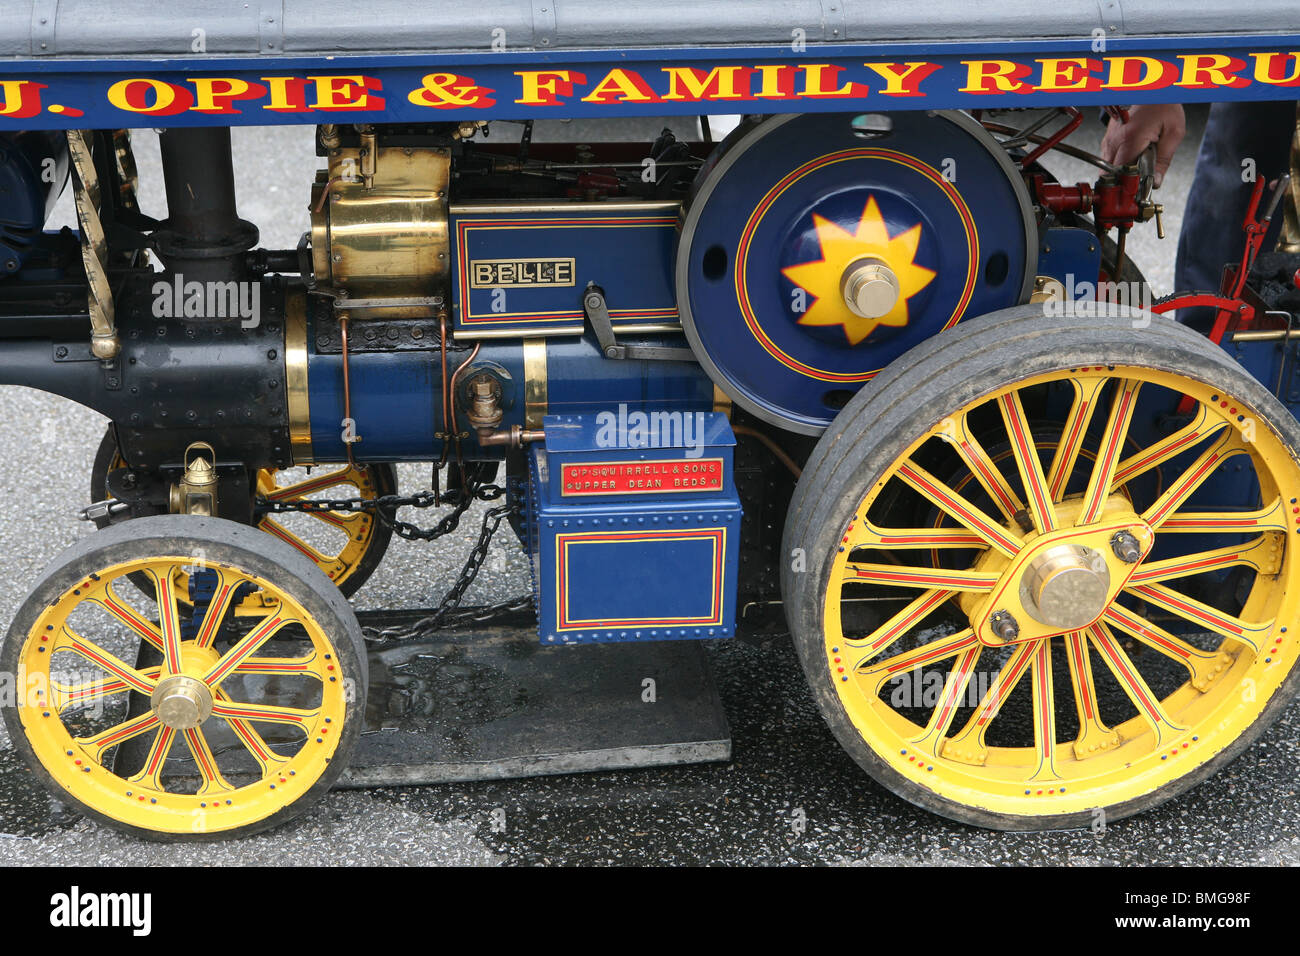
841,250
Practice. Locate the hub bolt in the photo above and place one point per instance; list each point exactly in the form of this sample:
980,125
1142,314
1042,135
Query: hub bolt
1126,547
1004,626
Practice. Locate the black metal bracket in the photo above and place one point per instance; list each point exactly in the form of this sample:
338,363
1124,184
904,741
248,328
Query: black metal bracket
597,312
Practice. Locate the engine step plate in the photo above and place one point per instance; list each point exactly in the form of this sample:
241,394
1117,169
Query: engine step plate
492,704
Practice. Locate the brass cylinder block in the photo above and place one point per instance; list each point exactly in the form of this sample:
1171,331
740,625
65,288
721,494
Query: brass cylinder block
387,240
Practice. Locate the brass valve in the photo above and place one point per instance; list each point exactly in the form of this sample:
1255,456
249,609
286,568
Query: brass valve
484,403
485,414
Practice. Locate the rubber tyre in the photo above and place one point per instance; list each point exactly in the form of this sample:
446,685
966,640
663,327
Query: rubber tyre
914,394
224,542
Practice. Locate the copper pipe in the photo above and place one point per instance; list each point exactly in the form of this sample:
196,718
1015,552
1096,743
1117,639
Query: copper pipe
771,446
325,193
347,388
446,421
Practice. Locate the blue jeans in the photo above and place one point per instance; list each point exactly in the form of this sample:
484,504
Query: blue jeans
1211,235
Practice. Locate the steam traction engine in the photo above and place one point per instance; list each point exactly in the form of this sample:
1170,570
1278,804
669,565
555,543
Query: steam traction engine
1037,544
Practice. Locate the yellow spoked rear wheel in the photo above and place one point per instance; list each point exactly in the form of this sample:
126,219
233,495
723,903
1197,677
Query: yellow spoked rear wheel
251,713
347,546
1101,619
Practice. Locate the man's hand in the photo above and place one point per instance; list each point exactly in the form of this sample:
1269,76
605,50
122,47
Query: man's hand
1163,125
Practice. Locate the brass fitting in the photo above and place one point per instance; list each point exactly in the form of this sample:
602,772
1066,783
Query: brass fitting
484,412
196,492
515,436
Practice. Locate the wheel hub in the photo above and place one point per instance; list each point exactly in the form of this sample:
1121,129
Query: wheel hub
870,287
181,702
1066,586
1061,581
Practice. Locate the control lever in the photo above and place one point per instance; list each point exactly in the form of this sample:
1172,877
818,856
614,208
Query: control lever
597,312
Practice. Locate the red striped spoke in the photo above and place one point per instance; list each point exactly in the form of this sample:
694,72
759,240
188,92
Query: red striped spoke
267,759
280,665
1112,444
1185,485
316,483
1094,735
273,527
1044,714
1203,425
222,598
213,780
928,653
96,744
950,700
143,628
959,508
294,716
958,436
246,647
169,623
1202,666
967,745
1086,393
1025,452
66,696
136,680
1146,702
1263,554
1250,633
343,522
151,773
1272,517
908,576
868,535
894,628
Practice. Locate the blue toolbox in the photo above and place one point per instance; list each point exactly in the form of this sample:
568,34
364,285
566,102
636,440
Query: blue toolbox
633,527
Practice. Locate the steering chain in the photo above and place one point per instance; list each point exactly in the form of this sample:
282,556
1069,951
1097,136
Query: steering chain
448,613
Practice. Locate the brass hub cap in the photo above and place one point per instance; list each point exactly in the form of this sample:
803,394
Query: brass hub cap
1066,586
181,702
869,287
1061,581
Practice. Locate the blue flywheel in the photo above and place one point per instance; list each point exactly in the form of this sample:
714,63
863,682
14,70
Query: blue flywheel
818,248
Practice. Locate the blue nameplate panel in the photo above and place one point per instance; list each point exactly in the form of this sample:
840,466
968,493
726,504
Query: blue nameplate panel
522,271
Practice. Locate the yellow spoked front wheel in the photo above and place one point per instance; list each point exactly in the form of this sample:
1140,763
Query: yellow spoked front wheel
347,546
251,712
1100,617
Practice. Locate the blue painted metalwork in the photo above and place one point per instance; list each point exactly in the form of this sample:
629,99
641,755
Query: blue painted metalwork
395,395
1073,258
634,525
523,272
395,403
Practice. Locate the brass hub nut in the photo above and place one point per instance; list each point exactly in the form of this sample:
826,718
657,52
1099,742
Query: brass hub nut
870,288
181,702
1066,586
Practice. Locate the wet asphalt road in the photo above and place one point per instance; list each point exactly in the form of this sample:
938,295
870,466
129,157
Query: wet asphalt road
785,760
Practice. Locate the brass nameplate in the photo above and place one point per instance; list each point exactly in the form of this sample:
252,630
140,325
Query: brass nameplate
522,273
